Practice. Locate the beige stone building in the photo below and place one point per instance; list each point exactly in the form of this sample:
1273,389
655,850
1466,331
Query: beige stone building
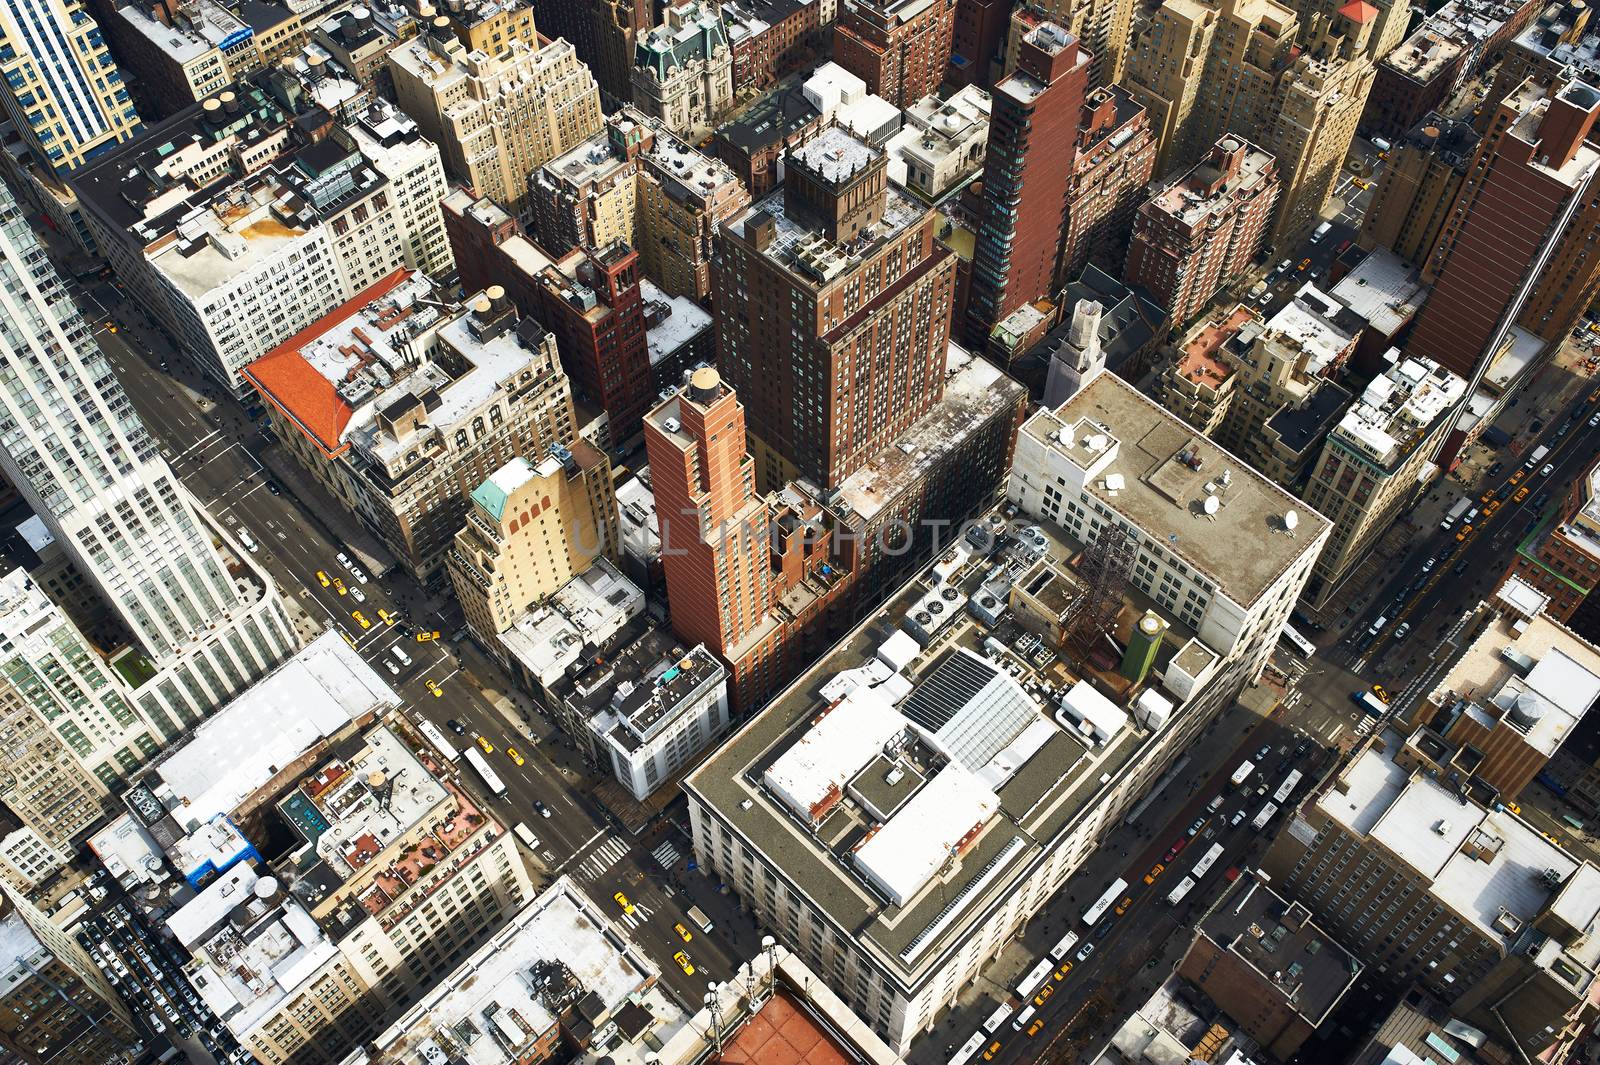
401,404
532,527
638,183
1103,26
497,118
1204,70
490,26
683,69
1374,461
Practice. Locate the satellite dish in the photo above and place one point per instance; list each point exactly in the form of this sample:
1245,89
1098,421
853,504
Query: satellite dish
1212,504
1291,519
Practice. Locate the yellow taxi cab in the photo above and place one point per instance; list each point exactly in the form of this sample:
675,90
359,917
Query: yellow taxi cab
1304,263
1462,535
683,933
1381,692
347,639
488,748
515,755
1155,871
1486,496
1061,973
386,617
339,587
684,963
994,1048
425,637
1492,506
322,579
1044,994
1594,397
361,619
1516,478
111,326
433,689
1036,1027
1361,183
1122,907
1521,494
622,900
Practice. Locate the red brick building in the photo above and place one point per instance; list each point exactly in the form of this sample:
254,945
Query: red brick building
771,39
900,48
1195,234
1027,178
1530,167
1561,557
589,300
1116,157
746,576
978,41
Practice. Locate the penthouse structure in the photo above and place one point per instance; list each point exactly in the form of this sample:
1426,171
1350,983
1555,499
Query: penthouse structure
834,266
1373,464
900,48
497,118
938,774
1427,878
941,144
683,69
359,41
1196,234
400,404
236,229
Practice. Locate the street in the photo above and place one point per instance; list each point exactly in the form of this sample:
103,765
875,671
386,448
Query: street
223,458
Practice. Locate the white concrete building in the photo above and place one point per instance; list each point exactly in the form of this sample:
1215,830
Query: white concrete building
205,623
941,143
655,722
906,805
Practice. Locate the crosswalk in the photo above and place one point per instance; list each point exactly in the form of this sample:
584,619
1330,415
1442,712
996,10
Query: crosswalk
603,857
666,854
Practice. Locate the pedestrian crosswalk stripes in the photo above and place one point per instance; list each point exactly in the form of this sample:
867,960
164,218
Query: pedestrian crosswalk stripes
666,854
608,853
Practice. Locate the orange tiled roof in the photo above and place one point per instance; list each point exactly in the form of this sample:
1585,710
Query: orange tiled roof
782,1034
286,380
1359,11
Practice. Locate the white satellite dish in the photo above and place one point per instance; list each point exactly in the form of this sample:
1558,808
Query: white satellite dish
1212,504
1291,519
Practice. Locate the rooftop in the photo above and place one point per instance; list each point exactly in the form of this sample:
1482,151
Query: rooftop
1537,676
319,692
836,155
205,26
1279,941
1320,330
1109,429
352,377
1199,360
1205,191
772,119
1488,865
553,639
652,685
1398,409
1425,54
558,949
939,752
670,321
1384,290
974,390
1531,101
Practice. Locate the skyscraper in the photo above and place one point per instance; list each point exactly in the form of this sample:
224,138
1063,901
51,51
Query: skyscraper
1027,178
72,444
60,89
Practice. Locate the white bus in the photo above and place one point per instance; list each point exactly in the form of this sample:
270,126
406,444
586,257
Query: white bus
1268,812
1036,976
1105,902
1185,886
969,1049
434,735
1286,789
476,759
1064,947
1242,774
998,1017
1292,637
1207,860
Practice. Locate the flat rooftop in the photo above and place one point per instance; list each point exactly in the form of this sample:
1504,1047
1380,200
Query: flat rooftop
1532,100
514,985
1199,360
1425,54
1278,939
1384,290
1203,192
1163,494
944,728
1488,865
671,322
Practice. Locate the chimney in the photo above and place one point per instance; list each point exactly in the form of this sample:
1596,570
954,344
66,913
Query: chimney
1567,120
761,228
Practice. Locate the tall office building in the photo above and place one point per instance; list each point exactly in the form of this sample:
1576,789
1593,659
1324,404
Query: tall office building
73,446
55,1007
832,312
60,88
604,32
1208,69
900,48
1527,181
497,119
1027,178
1411,205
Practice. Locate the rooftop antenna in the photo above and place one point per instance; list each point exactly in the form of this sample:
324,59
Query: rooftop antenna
1106,565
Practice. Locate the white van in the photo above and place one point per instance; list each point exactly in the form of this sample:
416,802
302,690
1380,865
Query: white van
405,659
1377,626
1023,1018
1321,231
248,541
